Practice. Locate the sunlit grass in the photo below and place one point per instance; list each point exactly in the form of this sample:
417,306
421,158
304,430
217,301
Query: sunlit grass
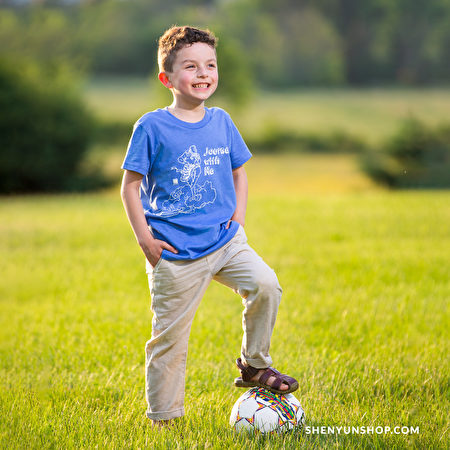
369,113
288,174
363,322
119,98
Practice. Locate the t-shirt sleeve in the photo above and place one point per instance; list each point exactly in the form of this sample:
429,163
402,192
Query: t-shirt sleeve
137,158
239,152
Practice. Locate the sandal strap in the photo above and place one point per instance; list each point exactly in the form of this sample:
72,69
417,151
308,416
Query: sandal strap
279,378
277,383
247,372
288,380
269,372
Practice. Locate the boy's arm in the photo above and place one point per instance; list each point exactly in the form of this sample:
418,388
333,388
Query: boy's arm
151,247
241,188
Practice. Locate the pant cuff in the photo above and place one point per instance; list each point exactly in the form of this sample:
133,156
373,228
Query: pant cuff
166,415
258,363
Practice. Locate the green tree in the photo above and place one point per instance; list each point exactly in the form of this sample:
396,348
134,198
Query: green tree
395,41
287,43
416,36
45,130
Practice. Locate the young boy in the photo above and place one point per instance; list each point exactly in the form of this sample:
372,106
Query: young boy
185,194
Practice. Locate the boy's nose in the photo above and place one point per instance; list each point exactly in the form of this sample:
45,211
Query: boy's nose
201,72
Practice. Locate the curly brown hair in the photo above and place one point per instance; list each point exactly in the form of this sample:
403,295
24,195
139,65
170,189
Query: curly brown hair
175,38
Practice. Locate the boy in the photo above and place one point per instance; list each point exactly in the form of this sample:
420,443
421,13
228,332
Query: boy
185,194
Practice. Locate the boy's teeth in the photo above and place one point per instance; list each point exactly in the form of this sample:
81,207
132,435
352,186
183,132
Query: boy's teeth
204,85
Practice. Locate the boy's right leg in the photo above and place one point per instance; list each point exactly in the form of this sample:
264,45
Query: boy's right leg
176,289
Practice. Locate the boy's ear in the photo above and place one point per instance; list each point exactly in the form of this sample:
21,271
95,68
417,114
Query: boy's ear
164,79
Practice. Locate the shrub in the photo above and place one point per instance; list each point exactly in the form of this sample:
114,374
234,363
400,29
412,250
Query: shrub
417,156
45,131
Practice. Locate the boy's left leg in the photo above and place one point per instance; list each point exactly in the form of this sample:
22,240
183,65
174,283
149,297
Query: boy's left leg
243,270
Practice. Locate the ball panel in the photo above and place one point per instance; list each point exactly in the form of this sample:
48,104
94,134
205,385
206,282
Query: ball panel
234,413
243,425
266,419
247,408
262,410
301,418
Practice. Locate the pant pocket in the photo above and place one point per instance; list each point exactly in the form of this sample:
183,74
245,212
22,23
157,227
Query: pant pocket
240,235
151,270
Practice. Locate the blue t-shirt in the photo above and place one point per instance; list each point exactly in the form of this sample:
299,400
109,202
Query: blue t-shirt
187,191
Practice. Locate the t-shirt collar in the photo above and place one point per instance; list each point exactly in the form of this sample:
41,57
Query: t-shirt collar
177,121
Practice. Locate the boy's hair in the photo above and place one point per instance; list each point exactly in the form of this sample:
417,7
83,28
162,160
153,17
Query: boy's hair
175,38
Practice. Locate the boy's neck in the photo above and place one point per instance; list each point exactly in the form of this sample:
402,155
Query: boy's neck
187,113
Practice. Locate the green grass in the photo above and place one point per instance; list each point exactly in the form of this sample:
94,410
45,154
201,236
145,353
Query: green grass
369,113
372,114
119,98
363,322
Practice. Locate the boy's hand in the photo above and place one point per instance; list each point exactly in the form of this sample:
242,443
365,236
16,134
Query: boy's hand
235,219
153,249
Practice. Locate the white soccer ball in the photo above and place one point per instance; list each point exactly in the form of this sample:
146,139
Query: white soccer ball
261,410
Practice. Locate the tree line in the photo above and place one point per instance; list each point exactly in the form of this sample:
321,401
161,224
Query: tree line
286,43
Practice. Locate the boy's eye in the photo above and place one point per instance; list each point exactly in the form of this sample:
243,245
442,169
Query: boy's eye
190,66
212,65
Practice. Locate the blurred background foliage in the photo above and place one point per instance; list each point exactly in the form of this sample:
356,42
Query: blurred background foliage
45,130
50,45
284,43
417,156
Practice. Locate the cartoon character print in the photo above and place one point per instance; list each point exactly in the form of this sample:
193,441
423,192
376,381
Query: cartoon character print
190,195
190,172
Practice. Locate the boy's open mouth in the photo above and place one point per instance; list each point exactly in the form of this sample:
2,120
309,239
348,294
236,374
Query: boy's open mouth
201,85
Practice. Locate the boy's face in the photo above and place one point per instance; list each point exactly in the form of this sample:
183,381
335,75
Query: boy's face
194,75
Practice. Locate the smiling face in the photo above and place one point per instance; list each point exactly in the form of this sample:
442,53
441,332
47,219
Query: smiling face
194,76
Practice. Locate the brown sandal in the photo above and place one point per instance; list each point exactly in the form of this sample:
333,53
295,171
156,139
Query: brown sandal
248,372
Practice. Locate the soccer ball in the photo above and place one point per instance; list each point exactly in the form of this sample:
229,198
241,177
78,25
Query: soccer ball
261,410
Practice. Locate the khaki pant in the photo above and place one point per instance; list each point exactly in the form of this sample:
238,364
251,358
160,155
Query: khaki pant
177,288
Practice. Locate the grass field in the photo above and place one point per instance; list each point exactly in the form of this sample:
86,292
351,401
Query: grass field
363,322
370,113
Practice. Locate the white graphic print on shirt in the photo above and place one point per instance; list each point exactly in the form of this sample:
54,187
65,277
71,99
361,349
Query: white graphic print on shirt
190,195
